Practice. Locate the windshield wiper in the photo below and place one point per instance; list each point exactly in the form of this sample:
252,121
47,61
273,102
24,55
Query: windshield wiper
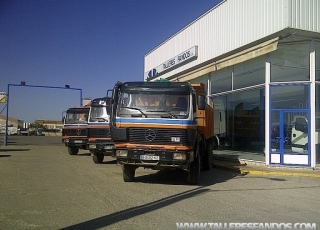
168,112
145,115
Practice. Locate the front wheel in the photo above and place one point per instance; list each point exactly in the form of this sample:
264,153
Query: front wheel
194,171
73,150
128,172
98,157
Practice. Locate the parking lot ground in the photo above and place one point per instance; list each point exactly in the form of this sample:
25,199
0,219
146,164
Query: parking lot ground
43,187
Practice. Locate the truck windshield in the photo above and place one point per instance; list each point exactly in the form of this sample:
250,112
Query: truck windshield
99,114
76,117
151,104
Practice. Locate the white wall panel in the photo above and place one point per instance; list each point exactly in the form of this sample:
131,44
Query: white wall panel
233,24
305,14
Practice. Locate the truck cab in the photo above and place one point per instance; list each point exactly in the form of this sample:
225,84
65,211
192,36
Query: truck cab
74,131
100,143
161,125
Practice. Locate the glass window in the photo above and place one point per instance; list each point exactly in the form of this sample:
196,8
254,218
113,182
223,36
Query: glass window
154,104
290,97
317,61
74,116
221,80
249,73
317,123
239,122
98,113
290,62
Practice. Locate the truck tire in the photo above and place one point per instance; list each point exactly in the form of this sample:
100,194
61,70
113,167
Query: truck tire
207,157
215,142
98,157
73,150
194,171
128,172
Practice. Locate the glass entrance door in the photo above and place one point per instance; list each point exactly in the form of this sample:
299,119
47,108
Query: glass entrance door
289,139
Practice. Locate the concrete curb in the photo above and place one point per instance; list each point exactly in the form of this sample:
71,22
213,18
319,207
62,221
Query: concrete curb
266,172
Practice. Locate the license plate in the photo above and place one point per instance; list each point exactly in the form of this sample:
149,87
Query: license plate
77,141
149,157
107,147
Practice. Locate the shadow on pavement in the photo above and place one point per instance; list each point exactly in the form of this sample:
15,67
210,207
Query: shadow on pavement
12,150
173,177
107,220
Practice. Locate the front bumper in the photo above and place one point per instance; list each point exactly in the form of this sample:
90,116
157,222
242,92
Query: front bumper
101,146
162,158
75,141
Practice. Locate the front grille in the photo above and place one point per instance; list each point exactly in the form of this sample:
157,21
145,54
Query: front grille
74,132
157,136
99,132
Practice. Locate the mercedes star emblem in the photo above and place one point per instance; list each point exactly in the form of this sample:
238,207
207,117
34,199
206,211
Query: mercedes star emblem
150,135
78,131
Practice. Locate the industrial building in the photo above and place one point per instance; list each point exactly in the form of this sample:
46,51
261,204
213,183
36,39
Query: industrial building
54,126
260,63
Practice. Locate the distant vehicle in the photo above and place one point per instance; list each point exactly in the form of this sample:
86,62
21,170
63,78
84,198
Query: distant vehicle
39,132
12,130
33,132
24,132
99,138
51,130
75,129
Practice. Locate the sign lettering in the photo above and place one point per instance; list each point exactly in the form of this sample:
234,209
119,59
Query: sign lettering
179,59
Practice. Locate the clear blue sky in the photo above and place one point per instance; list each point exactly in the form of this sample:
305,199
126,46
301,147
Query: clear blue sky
88,44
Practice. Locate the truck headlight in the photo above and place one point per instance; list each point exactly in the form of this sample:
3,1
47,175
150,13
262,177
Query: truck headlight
179,156
175,139
121,153
66,140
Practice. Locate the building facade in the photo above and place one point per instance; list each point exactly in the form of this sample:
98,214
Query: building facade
12,122
260,62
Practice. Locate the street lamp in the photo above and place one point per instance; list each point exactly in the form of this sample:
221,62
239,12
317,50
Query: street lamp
23,83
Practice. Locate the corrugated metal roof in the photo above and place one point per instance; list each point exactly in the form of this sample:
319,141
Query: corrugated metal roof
233,24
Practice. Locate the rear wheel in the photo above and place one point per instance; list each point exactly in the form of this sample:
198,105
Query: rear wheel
128,172
98,157
215,143
73,150
207,157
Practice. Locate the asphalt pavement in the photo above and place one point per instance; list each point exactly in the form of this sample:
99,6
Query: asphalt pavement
225,162
43,187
